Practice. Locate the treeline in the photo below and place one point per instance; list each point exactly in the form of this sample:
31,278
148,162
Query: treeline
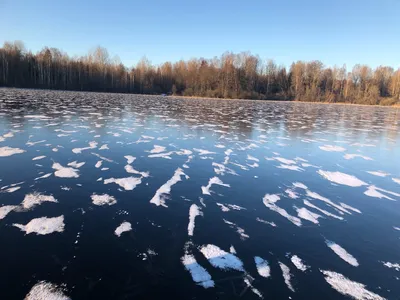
241,75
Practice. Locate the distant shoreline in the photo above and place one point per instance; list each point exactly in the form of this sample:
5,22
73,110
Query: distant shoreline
205,98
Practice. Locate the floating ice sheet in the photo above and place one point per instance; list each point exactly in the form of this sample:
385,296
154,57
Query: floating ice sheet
348,287
342,253
341,178
46,291
124,227
43,225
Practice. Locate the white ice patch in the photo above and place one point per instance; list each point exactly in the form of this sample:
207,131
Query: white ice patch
5,210
265,222
75,164
104,199
43,176
38,157
221,169
198,273
34,199
165,155
92,145
285,161
221,259
290,167
305,214
104,147
8,151
378,173
43,225
262,266
350,207
46,291
194,211
223,207
348,287
327,213
157,149
341,178
203,152
291,194
342,253
331,148
286,276
300,185
64,172
392,265
270,200
249,157
326,200
298,262
372,191
124,227
130,159
127,183
397,180
215,180
351,156
131,170
160,195
98,164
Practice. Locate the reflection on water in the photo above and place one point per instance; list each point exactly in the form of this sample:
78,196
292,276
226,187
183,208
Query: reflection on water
107,196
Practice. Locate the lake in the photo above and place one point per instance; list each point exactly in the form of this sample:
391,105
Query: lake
112,196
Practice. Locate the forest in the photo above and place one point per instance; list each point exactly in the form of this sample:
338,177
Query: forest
243,76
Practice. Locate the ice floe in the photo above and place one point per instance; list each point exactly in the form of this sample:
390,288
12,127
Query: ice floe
124,227
287,276
342,253
103,199
127,183
31,200
270,200
327,213
305,214
348,287
378,173
46,291
341,178
160,195
199,274
43,225
351,156
194,211
214,180
373,191
92,145
8,151
130,159
265,222
64,172
221,259
39,157
75,164
157,149
331,148
5,210
390,265
299,264
262,266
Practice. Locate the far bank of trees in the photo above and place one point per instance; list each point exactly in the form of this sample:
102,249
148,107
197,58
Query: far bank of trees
232,75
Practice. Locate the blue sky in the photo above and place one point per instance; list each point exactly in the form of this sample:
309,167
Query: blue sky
334,32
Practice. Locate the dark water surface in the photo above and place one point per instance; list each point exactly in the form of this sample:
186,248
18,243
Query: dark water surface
291,181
